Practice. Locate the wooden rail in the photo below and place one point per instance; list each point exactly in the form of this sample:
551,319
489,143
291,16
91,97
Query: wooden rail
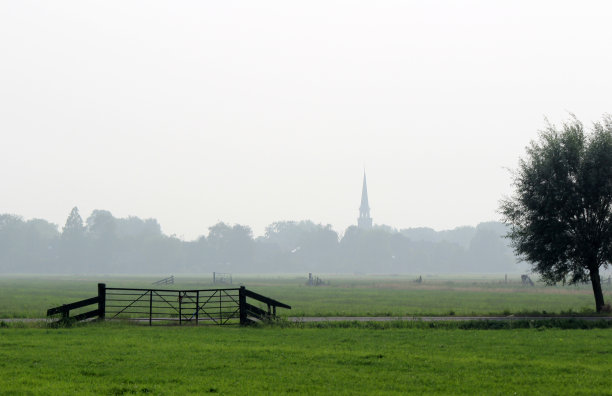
258,312
64,310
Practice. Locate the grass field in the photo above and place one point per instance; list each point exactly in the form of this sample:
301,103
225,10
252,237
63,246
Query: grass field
345,296
114,359
332,358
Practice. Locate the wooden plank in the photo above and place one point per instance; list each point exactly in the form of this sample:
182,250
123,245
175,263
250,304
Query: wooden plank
242,306
102,300
265,299
255,310
74,305
86,315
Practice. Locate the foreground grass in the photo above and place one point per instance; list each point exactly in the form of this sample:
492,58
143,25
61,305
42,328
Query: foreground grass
119,359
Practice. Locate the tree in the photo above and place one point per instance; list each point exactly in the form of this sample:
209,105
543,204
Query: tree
41,242
232,246
301,246
101,232
74,225
488,249
73,244
367,250
560,215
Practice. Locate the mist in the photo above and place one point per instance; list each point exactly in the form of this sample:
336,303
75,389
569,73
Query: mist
201,112
104,244
195,125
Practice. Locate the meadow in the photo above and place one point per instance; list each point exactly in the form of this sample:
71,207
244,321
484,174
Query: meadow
31,296
117,359
113,358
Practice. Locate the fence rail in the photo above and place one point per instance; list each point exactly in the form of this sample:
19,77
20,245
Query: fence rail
166,281
199,306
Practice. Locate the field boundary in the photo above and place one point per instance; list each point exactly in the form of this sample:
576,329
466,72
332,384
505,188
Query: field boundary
314,319
322,319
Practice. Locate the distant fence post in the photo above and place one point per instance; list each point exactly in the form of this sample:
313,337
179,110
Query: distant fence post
101,300
242,305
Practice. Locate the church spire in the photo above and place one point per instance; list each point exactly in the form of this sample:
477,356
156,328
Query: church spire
364,220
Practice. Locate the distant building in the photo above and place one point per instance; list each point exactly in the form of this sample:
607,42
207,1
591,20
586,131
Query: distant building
364,220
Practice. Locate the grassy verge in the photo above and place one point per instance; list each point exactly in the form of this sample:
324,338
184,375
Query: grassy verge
116,359
540,324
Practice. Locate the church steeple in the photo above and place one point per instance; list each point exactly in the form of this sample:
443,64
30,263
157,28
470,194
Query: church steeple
364,220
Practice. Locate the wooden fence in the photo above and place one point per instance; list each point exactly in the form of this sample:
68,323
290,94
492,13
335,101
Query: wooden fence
165,306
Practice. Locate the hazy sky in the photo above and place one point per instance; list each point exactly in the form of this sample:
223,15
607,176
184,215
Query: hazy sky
250,112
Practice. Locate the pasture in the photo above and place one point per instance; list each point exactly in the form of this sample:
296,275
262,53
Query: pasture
115,358
29,297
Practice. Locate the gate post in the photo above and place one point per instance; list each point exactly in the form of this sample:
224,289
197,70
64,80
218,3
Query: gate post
197,312
102,300
242,306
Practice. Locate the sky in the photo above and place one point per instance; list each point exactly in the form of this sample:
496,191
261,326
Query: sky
196,112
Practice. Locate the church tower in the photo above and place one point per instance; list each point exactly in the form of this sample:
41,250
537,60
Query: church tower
364,220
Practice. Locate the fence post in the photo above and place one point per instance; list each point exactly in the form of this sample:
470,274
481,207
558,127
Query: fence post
242,305
102,300
150,307
197,312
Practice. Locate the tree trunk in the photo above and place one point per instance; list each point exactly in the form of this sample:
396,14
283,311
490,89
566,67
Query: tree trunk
596,283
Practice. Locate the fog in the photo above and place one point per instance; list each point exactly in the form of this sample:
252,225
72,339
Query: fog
196,113
104,244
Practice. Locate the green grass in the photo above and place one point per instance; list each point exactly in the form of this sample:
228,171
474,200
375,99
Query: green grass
30,297
114,359
522,357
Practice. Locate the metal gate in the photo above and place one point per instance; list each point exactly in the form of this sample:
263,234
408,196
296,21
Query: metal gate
166,306
208,306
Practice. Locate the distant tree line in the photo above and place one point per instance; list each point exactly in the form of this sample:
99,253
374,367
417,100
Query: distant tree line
105,244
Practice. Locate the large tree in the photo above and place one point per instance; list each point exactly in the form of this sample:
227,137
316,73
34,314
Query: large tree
560,215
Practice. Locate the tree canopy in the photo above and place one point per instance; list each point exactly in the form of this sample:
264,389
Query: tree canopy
560,215
106,244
